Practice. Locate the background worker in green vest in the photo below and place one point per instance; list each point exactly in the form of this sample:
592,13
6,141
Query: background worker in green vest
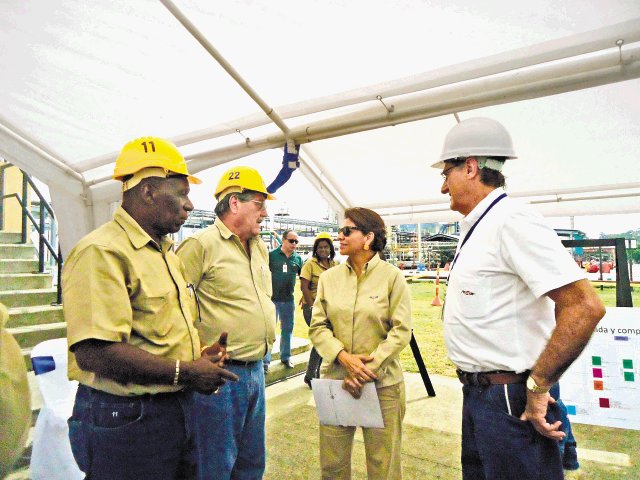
285,265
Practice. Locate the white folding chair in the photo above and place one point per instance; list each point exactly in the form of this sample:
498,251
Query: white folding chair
51,456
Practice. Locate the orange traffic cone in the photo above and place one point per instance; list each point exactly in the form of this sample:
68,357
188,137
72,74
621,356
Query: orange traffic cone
436,301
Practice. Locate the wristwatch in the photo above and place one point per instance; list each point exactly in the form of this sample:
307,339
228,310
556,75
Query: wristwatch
534,387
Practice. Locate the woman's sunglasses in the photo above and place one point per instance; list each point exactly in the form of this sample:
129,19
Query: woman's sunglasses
346,231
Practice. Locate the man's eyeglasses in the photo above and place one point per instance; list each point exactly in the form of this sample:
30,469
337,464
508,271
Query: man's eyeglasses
346,231
445,172
292,240
261,203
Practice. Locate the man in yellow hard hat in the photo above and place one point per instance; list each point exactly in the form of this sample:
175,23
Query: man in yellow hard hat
132,340
229,265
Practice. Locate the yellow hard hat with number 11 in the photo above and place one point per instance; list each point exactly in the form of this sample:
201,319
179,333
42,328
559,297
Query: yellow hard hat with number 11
151,152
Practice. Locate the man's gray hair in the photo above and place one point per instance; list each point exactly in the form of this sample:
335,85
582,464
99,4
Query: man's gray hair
222,207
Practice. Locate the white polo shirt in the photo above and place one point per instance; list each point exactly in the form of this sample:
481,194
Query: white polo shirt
496,314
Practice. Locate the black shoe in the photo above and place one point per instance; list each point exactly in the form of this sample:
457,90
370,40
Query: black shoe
308,382
287,363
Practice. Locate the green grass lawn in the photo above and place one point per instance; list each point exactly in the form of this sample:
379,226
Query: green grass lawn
427,327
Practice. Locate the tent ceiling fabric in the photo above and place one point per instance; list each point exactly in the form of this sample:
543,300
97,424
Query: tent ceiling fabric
80,79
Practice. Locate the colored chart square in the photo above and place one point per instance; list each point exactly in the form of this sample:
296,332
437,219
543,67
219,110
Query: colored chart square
627,363
596,360
629,377
571,409
598,385
597,372
604,403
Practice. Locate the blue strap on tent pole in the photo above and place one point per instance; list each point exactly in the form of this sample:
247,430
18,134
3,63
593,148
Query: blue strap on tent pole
290,162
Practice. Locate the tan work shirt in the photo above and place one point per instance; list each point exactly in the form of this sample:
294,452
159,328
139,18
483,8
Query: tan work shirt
369,315
233,288
311,271
15,399
118,285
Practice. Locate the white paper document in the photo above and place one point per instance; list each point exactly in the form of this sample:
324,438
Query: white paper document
337,407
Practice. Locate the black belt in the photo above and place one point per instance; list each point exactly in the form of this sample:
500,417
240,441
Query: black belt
241,363
110,397
497,377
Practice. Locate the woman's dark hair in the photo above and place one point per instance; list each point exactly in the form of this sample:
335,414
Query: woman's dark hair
331,247
369,221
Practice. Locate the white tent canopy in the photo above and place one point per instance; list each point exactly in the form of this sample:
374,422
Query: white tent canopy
80,79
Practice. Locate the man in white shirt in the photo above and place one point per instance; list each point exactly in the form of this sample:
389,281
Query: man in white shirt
518,312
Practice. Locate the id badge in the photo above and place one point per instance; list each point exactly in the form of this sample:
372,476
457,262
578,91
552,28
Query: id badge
284,268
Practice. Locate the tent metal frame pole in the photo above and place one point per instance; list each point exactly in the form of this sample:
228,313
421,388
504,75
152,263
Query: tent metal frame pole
444,206
553,50
511,87
28,156
326,173
534,193
514,86
193,30
322,187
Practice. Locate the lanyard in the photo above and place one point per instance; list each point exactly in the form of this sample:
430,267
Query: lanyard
468,235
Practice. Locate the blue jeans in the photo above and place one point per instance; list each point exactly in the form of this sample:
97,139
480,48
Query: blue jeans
285,312
229,427
496,444
568,444
137,438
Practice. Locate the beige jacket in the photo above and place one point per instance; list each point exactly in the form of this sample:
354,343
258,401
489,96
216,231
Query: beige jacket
367,315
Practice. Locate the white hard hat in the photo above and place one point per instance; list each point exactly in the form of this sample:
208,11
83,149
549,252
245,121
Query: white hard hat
476,137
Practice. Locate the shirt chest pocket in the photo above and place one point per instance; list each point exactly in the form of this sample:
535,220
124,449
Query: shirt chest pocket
265,279
152,315
473,296
374,303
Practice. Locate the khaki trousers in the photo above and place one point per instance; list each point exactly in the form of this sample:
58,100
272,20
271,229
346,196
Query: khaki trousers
382,445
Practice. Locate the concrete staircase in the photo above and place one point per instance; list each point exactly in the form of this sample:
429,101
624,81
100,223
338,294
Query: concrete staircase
29,296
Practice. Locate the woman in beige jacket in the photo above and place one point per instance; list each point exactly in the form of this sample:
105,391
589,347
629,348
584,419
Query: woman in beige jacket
361,322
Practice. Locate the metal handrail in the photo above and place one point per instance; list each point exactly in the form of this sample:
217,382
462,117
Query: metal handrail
27,213
43,242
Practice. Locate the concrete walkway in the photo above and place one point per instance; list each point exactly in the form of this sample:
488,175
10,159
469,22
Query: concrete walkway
431,442
431,438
